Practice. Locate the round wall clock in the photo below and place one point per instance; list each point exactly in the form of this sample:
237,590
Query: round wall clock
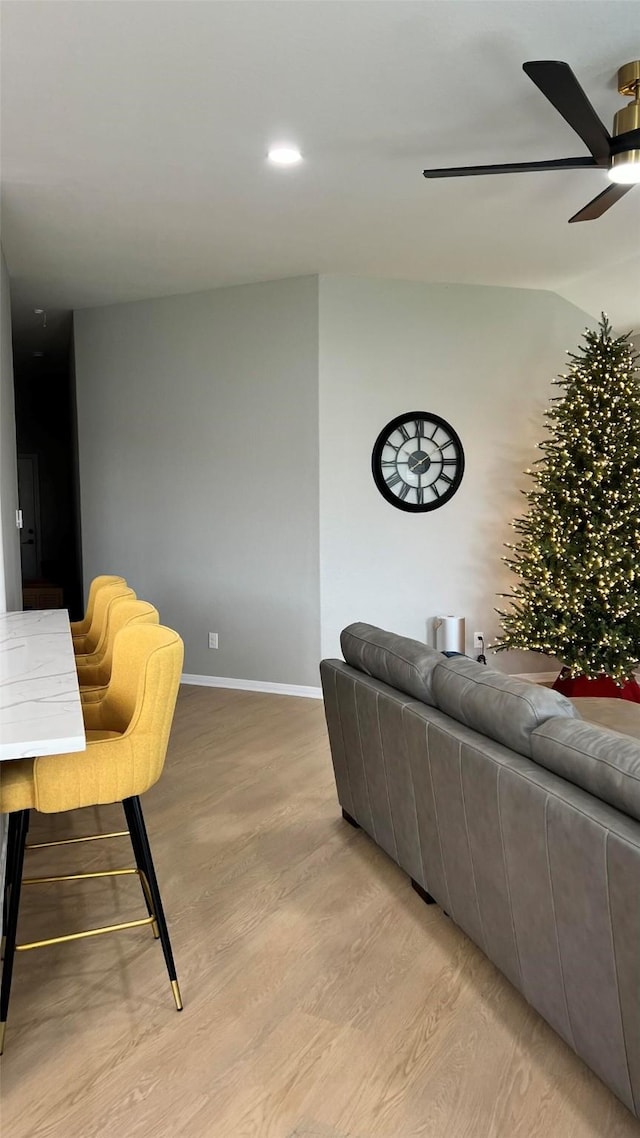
417,461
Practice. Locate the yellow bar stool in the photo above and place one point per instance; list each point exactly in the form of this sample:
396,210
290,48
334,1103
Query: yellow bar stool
95,640
81,627
94,671
127,737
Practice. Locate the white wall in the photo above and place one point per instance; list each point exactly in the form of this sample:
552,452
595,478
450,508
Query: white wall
198,440
483,358
10,575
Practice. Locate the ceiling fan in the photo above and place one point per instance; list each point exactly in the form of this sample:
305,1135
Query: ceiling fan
619,155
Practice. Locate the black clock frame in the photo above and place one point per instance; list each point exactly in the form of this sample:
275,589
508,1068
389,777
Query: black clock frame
376,462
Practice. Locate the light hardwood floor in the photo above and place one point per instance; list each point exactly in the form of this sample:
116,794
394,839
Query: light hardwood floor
323,999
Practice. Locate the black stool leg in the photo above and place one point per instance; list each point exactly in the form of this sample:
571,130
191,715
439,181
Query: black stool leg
146,891
18,826
135,822
8,876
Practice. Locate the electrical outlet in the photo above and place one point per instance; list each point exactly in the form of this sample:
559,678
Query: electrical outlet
478,641
213,639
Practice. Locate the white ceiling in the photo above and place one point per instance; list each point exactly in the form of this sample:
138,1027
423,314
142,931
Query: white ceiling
134,137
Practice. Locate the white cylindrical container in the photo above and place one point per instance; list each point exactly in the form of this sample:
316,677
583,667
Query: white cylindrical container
450,633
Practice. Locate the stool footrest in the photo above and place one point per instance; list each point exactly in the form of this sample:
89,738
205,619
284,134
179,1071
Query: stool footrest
73,841
79,876
88,932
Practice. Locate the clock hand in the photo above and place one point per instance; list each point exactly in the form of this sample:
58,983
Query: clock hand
441,448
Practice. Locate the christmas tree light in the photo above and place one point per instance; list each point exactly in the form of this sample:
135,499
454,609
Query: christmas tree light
577,556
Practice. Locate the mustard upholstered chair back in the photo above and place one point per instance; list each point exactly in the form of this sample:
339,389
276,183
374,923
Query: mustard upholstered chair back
141,697
81,627
95,640
127,733
142,660
95,671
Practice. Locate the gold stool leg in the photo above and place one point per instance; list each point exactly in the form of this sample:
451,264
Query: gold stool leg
175,988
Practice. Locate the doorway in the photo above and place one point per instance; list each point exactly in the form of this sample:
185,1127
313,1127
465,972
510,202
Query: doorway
48,490
29,498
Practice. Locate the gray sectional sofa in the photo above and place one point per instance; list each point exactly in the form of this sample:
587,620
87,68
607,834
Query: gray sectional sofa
518,817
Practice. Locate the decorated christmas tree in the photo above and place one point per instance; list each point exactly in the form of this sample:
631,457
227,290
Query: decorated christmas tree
577,556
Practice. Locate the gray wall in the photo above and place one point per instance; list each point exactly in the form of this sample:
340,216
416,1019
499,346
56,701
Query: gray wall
10,574
198,439
210,477
483,358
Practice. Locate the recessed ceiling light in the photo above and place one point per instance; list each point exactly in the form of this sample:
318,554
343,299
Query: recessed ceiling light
284,155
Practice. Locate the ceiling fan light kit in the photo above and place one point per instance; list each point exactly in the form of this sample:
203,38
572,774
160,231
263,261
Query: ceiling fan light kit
625,169
618,154
625,166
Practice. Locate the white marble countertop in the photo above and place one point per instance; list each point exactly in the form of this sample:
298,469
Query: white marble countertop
40,708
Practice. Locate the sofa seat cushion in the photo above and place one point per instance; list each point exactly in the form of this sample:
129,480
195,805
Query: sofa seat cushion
598,759
402,663
502,707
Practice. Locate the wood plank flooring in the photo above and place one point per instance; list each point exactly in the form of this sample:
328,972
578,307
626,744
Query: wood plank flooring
323,998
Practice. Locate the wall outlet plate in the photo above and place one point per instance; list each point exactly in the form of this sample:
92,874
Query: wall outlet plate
213,639
478,641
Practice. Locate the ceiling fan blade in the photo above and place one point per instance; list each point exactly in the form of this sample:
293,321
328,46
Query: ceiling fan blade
602,203
558,83
511,168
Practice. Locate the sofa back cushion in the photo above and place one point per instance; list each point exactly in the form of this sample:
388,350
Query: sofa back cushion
402,663
597,759
502,707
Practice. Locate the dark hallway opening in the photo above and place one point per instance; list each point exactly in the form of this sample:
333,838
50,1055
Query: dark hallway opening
46,436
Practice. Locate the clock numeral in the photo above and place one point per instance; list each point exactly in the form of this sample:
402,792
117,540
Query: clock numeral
393,481
449,443
419,496
420,429
445,478
404,432
449,462
403,491
434,487
389,462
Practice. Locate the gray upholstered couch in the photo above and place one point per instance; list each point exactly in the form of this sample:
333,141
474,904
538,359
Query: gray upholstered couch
518,817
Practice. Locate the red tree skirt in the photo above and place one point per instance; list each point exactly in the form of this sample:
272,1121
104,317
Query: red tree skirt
602,686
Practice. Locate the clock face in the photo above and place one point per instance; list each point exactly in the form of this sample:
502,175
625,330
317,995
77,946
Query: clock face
417,461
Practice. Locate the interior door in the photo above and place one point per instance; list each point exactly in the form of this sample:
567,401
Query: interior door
30,506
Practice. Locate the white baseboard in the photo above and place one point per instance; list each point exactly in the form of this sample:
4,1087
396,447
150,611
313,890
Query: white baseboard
537,677
251,685
310,692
